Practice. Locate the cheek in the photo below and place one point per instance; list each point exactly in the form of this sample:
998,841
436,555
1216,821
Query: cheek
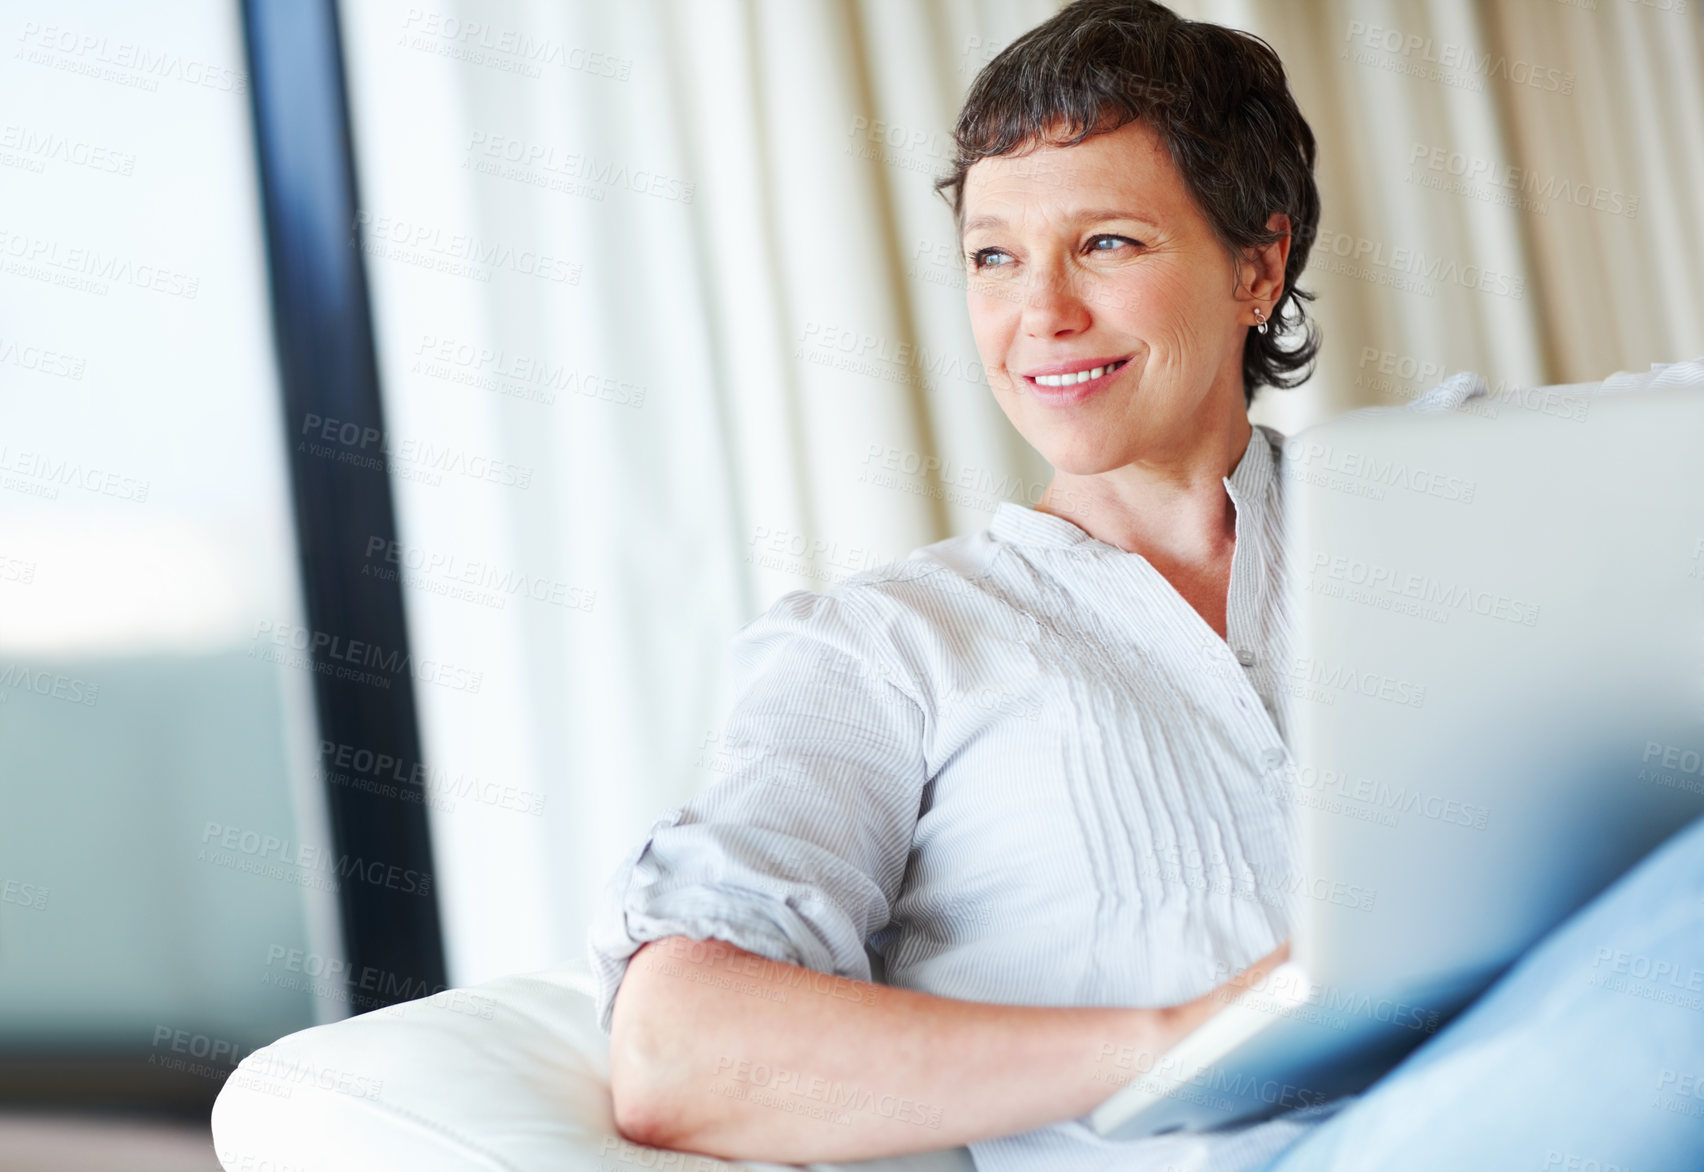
993,323
1157,307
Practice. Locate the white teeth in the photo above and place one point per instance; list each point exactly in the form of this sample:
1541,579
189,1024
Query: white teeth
1081,376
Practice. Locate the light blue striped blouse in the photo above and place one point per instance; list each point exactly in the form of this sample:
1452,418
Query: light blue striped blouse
1015,767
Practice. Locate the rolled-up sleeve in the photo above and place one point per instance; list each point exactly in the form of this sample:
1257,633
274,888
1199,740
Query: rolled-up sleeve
797,852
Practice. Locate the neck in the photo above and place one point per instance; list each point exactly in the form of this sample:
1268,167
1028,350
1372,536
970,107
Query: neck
1172,509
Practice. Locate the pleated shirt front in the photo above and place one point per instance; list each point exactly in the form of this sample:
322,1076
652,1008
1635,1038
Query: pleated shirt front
1015,767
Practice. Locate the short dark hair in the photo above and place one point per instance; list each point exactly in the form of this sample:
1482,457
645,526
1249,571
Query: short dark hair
1218,99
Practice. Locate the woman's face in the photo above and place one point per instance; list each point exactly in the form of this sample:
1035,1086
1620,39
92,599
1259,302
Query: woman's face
1096,257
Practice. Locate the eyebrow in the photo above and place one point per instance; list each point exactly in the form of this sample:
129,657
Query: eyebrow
1088,216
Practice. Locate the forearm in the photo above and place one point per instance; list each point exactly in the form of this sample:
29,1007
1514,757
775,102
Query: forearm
716,1050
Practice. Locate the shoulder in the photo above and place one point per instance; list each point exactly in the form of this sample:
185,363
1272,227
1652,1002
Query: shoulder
895,617
944,568
932,597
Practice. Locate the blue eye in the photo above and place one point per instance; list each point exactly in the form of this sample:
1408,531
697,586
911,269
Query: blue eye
983,258
1095,242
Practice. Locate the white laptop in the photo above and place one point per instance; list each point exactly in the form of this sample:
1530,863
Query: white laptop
1495,706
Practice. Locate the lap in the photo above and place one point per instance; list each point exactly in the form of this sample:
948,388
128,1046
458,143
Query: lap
1587,1056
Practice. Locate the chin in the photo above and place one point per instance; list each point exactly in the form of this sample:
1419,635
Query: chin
1079,459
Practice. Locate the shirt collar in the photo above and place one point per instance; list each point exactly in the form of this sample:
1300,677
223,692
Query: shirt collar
1255,472
1247,484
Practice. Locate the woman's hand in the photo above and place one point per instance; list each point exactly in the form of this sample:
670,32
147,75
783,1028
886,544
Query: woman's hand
1181,1020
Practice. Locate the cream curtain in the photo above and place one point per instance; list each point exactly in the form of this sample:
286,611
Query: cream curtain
671,322
1547,154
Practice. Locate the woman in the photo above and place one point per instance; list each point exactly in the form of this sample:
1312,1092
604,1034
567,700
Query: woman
1020,776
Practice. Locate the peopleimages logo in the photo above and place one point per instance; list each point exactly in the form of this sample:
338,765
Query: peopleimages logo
364,446
941,477
537,160
1168,1070
1446,596
41,475
512,50
1316,679
366,988
1474,169
353,659
1317,462
33,149
797,1092
1403,261
125,62
517,375
1438,60
302,863
1314,786
71,689
1673,767
862,352
88,269
454,253
391,777
425,568
41,360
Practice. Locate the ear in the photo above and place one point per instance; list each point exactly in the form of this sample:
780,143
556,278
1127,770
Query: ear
1261,273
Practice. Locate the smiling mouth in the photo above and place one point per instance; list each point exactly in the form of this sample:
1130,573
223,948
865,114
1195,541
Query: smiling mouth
1056,381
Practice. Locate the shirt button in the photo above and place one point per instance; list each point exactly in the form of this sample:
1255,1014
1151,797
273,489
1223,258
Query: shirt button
1245,657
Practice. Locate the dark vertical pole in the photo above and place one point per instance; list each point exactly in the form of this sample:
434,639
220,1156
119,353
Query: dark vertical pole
363,671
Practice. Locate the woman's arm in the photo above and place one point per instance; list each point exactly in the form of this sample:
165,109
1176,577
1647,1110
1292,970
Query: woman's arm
717,1050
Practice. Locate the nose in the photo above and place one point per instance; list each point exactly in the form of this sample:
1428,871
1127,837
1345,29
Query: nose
1053,307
